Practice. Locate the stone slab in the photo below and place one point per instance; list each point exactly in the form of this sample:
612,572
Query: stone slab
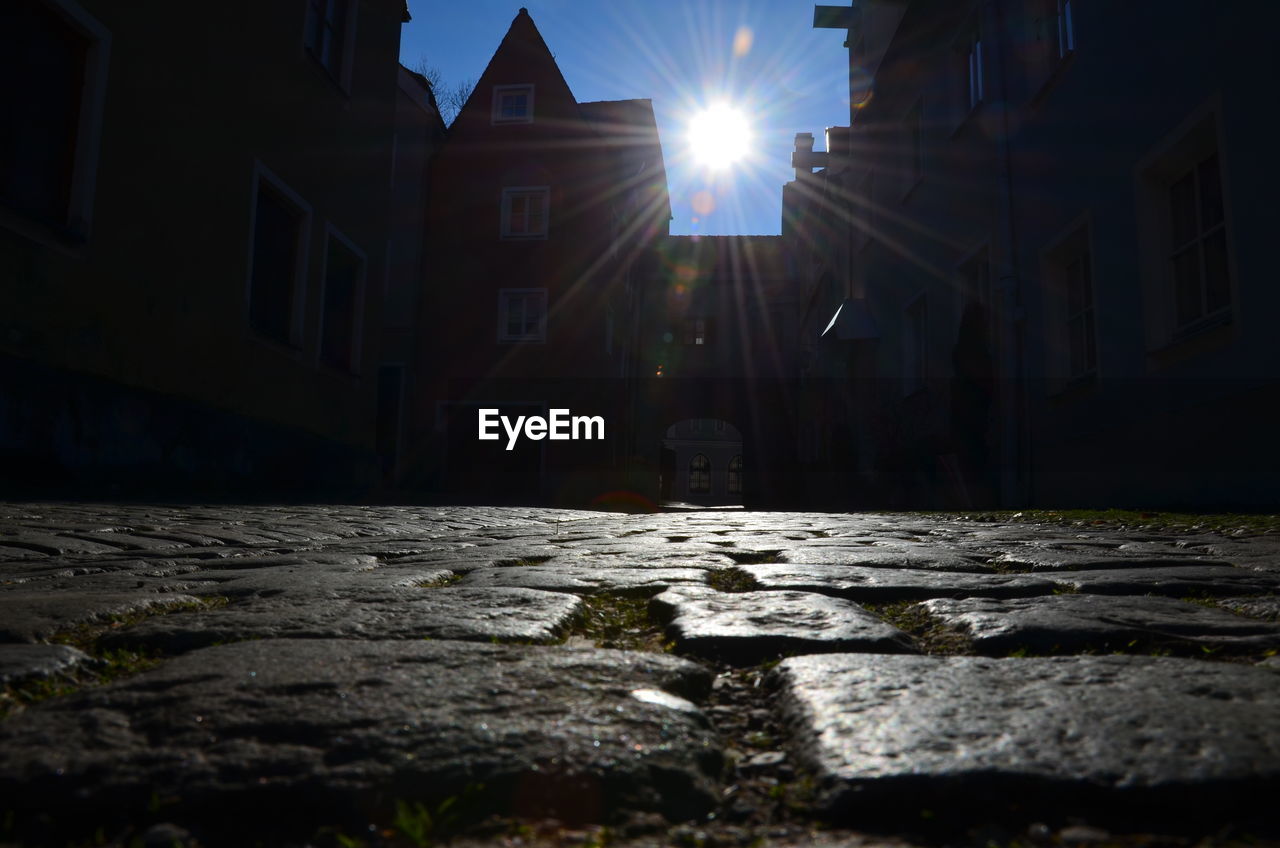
640,582
928,557
883,585
749,627
1104,622
472,614
318,730
1175,582
21,662
33,616
47,543
1049,559
1266,608
888,734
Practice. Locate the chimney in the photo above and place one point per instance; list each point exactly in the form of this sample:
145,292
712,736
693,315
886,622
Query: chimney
803,159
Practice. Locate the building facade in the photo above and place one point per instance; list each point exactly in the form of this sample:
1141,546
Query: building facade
1055,253
717,324
194,238
542,212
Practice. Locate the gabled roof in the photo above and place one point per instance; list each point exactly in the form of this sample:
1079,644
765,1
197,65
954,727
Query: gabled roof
629,133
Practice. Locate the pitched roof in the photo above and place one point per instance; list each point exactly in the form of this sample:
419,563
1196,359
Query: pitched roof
629,130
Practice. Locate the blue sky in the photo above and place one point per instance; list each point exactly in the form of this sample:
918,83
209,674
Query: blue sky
761,55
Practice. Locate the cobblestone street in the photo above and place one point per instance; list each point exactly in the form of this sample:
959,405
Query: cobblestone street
342,675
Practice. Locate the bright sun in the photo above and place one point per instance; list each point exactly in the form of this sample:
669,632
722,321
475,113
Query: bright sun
719,136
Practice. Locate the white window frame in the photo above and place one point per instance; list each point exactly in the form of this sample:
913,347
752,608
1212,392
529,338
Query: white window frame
84,168
346,50
1199,136
508,195
1066,30
696,330
974,57
357,317
505,299
1075,242
709,472
261,174
499,91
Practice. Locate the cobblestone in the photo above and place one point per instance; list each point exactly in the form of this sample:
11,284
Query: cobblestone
333,666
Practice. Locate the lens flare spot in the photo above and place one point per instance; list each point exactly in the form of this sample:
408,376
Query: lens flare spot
703,203
742,40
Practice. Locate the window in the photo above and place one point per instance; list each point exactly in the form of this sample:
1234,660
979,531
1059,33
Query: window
700,475
277,260
913,348
1051,41
697,331
341,302
974,62
1078,276
734,480
1198,257
1184,231
524,212
966,83
53,119
1066,29
1071,310
328,26
976,290
513,104
522,315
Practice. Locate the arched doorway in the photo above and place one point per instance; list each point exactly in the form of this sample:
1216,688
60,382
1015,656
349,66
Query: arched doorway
702,463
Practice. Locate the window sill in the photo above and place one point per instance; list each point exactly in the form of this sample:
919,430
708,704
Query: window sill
1207,334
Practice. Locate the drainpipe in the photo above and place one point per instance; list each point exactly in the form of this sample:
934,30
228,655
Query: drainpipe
1013,417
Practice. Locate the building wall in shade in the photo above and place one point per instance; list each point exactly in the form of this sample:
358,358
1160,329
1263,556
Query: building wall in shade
137,279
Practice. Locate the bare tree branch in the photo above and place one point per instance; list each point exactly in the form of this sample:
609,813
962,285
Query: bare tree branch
450,98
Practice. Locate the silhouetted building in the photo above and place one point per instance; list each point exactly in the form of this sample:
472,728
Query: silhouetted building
542,212
194,237
1046,234
717,320
419,132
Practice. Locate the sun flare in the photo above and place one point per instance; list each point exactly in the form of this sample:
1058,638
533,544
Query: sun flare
719,136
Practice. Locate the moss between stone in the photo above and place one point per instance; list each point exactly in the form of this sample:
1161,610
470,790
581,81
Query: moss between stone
755,557
109,665
521,561
932,636
613,621
732,579
437,582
